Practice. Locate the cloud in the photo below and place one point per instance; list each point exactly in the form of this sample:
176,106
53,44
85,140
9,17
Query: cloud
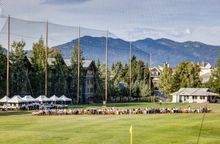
143,32
178,20
62,2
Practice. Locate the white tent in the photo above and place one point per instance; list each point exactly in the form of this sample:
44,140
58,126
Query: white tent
4,99
28,98
64,98
16,99
54,98
42,98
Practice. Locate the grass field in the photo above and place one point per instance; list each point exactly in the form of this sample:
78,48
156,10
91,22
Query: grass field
23,128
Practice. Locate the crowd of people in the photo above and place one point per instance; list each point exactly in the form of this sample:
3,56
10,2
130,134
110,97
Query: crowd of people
120,111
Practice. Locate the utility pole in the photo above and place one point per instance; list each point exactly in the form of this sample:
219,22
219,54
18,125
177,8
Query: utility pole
9,48
130,69
78,60
46,65
106,71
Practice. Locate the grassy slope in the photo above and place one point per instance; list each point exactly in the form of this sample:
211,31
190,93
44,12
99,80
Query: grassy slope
18,127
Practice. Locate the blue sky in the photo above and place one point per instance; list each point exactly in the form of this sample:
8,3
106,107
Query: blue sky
180,20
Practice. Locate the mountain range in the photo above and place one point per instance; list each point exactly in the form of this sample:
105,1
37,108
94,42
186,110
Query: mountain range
161,50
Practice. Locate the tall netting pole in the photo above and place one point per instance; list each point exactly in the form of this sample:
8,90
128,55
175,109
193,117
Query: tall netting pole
130,70
46,65
150,74
8,69
106,71
78,57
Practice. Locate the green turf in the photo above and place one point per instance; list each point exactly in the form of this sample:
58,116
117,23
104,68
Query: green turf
23,128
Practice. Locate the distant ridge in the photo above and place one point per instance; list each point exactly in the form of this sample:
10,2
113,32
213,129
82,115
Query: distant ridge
94,48
162,50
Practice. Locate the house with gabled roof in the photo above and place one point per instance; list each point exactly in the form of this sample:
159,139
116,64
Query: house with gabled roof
155,74
193,95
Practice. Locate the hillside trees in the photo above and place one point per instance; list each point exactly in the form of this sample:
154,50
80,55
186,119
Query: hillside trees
139,79
3,61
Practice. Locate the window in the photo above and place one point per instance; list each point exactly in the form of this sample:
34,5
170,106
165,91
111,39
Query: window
202,97
91,90
194,97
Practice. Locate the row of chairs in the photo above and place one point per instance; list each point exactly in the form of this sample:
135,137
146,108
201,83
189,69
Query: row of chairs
125,111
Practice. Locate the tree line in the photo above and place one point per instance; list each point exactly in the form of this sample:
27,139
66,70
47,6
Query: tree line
27,75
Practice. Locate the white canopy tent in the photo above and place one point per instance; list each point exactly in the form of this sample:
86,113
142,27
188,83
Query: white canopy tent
16,99
4,99
54,98
28,98
65,99
42,98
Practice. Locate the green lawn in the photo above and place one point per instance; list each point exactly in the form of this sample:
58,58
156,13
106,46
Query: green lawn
23,128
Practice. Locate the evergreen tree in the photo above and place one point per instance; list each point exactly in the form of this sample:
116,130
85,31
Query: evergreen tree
3,65
37,74
139,79
99,81
58,74
18,68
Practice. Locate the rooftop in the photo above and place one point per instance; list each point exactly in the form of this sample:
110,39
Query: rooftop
195,92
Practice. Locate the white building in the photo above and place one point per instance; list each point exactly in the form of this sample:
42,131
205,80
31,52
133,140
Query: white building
205,72
155,74
193,95
88,86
